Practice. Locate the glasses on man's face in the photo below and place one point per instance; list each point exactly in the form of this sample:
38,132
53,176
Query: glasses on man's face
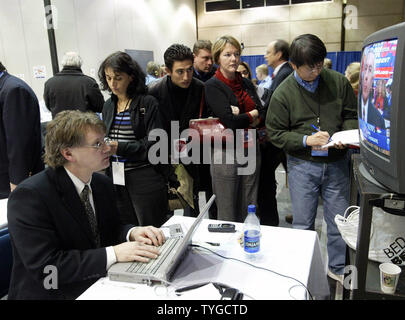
316,68
99,145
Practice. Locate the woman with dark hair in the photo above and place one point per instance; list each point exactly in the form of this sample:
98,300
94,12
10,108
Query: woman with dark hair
130,114
244,70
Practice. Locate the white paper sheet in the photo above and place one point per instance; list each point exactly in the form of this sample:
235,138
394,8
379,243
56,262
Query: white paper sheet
345,137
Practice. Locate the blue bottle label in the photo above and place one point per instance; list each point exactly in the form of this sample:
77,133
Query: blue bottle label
251,241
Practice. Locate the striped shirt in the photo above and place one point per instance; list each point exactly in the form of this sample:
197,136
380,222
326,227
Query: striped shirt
122,131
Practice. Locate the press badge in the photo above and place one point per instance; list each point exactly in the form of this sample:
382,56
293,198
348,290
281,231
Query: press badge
318,151
118,172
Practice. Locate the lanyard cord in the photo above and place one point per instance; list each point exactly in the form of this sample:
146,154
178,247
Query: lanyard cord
310,108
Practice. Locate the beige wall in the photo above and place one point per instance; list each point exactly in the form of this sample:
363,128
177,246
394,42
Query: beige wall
373,15
94,28
256,27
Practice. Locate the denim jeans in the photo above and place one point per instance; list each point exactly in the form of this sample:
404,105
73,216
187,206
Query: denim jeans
307,181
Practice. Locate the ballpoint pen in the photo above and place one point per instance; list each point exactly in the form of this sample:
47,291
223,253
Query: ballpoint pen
318,129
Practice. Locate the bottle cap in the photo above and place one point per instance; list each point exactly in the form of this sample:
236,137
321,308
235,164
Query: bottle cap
251,208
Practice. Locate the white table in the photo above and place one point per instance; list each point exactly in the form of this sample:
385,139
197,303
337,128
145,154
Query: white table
291,252
3,213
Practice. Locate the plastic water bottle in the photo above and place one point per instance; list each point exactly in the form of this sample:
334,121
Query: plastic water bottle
251,233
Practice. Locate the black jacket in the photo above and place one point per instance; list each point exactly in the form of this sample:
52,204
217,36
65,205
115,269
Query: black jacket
160,90
220,97
283,73
20,132
374,117
144,118
70,89
49,227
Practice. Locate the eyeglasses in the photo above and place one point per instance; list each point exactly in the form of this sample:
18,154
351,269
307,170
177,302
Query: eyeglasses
317,68
100,144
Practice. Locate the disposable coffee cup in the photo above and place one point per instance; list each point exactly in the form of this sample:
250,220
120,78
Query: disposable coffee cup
389,275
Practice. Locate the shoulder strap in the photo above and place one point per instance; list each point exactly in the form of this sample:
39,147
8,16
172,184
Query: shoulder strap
141,112
202,104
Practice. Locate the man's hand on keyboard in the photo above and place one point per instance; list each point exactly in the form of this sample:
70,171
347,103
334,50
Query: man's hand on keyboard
135,251
148,235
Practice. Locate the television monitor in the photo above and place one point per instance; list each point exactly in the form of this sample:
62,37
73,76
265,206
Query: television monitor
381,108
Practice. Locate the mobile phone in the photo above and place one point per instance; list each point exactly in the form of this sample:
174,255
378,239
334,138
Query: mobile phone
221,227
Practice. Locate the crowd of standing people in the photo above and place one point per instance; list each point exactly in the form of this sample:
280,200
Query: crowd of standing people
284,120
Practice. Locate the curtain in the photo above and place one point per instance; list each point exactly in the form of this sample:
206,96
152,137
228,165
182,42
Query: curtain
344,58
254,62
340,60
333,57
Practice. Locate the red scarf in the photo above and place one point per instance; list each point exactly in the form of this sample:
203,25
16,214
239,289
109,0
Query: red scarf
246,103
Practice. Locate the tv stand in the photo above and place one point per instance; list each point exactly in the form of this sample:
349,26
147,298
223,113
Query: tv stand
366,194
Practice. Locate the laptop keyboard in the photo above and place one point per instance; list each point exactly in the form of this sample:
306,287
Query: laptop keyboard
153,265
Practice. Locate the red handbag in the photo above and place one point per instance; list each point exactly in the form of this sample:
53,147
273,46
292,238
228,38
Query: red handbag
209,128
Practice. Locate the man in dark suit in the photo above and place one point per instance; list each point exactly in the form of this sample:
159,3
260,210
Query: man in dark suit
277,55
180,96
369,112
20,132
63,222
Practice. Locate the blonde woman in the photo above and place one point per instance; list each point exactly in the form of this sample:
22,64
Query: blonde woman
233,99
352,74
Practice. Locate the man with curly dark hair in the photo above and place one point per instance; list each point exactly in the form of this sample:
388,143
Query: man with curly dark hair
179,95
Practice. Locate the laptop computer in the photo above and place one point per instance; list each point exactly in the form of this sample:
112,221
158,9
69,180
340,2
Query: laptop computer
162,268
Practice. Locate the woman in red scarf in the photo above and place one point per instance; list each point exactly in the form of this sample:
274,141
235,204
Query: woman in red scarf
380,99
234,101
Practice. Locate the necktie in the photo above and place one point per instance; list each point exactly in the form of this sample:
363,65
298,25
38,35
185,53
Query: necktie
364,113
272,76
84,196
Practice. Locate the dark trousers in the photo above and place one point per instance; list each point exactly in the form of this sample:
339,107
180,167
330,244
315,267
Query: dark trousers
267,203
143,200
206,186
4,186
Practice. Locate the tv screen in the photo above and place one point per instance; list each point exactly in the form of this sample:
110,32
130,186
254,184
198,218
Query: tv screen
375,98
381,108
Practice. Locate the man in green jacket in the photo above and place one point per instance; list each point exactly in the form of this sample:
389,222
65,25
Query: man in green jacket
305,111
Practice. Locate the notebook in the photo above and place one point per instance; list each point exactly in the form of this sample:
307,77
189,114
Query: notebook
161,269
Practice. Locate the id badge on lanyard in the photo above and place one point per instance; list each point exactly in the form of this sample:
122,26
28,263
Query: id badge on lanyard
118,172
